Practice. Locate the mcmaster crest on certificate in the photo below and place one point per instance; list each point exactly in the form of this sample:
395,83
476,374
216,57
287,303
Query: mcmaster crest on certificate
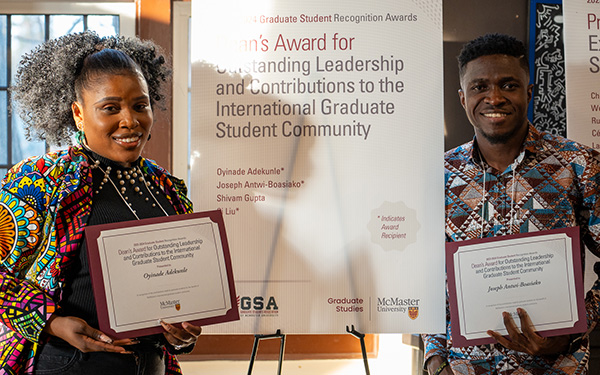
540,272
174,268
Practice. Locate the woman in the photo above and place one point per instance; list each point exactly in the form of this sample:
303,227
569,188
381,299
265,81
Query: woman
103,89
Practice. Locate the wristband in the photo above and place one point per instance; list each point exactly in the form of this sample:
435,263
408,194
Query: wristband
574,344
441,368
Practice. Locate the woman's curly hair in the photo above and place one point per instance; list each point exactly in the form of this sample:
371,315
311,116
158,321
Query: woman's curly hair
45,83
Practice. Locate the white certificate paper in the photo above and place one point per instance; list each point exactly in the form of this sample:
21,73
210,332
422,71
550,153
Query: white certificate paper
539,272
174,268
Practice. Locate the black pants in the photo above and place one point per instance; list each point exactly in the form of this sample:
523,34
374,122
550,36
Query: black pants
58,357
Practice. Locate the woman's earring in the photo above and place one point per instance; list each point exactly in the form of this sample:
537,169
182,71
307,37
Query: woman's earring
80,134
80,137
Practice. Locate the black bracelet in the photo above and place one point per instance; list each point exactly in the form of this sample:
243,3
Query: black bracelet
575,343
441,368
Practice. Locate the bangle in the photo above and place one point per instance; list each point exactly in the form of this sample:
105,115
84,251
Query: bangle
441,368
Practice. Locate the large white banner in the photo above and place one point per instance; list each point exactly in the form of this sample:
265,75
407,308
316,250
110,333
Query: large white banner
582,73
582,64
317,128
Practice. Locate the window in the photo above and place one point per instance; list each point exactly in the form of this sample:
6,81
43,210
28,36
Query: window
22,28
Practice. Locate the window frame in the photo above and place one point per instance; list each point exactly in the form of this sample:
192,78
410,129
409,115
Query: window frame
182,13
125,11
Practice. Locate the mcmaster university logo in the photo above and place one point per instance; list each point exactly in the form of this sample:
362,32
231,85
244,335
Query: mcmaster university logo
170,304
413,312
409,306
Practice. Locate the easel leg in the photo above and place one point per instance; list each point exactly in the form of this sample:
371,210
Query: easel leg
257,339
253,356
361,337
281,349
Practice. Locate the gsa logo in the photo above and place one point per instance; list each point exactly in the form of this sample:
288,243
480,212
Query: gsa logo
257,303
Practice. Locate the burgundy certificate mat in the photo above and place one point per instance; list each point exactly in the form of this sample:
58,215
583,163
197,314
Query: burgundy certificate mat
175,268
540,272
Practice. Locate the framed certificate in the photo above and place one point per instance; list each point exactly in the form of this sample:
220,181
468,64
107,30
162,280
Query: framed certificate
540,272
175,268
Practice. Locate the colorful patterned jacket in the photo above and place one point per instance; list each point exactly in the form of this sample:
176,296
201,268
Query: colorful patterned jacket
554,183
44,206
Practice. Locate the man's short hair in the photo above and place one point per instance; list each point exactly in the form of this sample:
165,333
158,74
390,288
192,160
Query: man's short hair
492,44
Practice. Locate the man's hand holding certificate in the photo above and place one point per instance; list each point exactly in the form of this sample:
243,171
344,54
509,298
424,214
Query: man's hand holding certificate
538,273
174,268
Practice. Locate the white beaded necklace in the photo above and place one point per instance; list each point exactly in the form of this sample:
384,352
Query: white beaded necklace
130,176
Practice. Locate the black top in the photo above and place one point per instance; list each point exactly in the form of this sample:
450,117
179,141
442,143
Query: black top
108,207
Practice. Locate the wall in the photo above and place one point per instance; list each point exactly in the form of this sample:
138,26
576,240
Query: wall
463,21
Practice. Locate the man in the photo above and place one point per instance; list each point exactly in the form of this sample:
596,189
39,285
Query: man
509,179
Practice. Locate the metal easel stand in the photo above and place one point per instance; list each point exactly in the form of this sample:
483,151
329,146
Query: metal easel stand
257,338
360,336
